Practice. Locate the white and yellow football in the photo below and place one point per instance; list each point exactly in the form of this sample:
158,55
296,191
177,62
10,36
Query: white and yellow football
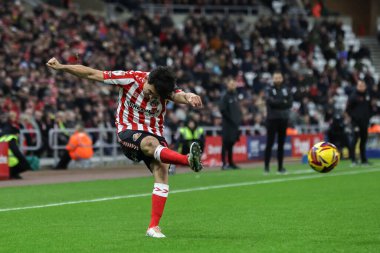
323,157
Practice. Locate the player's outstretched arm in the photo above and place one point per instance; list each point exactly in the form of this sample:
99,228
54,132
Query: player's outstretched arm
187,98
77,70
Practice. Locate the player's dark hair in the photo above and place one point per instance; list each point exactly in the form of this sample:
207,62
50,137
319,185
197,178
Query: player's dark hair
163,79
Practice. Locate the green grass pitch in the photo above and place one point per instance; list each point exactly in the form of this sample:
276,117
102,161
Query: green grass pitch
215,211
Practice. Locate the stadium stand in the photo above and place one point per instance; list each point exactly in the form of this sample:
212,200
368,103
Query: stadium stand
320,59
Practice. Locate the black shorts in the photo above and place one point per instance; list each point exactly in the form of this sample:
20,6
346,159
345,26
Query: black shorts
130,141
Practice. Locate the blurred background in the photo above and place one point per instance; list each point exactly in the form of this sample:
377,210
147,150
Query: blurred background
321,47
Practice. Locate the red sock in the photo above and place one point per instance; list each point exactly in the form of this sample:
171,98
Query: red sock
169,156
159,196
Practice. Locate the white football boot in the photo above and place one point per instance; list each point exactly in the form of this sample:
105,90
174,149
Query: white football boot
155,232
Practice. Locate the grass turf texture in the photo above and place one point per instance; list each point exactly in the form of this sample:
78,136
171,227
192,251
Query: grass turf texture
315,213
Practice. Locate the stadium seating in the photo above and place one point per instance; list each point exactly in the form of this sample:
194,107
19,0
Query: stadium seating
317,57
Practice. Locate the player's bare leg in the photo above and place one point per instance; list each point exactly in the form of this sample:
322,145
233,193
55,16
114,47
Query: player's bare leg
160,172
159,196
150,146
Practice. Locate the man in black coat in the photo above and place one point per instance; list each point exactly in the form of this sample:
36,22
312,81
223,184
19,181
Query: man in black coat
279,101
231,120
337,132
359,108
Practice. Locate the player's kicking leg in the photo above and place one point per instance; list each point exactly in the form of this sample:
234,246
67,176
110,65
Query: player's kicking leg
150,146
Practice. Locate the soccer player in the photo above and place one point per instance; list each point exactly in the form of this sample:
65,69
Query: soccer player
139,120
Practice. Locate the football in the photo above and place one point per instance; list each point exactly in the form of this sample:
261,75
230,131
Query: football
323,157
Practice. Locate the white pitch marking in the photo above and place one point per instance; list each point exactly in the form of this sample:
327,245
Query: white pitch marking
205,188
301,171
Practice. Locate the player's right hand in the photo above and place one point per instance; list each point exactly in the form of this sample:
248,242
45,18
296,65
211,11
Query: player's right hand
193,100
54,63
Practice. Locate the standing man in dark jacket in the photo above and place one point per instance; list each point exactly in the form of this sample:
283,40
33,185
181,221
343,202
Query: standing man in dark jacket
279,101
337,132
231,120
360,110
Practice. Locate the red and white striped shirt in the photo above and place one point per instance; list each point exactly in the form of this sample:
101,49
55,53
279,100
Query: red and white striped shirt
134,112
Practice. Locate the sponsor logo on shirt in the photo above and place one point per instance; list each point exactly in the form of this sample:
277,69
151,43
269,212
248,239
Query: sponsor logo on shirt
151,113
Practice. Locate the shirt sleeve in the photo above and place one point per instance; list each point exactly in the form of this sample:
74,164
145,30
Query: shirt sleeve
177,89
119,77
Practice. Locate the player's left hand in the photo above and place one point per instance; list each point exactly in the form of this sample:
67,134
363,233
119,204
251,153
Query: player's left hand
54,64
194,100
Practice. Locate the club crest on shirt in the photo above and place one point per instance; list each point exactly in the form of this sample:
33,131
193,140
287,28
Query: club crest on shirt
136,136
154,103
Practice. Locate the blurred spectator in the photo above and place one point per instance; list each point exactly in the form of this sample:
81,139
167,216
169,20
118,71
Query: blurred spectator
79,148
258,128
314,59
44,124
374,129
337,133
317,9
231,121
291,131
16,160
188,134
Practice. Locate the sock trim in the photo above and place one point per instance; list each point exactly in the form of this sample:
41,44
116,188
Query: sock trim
157,153
161,190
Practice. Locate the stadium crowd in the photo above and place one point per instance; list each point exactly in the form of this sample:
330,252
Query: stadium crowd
203,50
